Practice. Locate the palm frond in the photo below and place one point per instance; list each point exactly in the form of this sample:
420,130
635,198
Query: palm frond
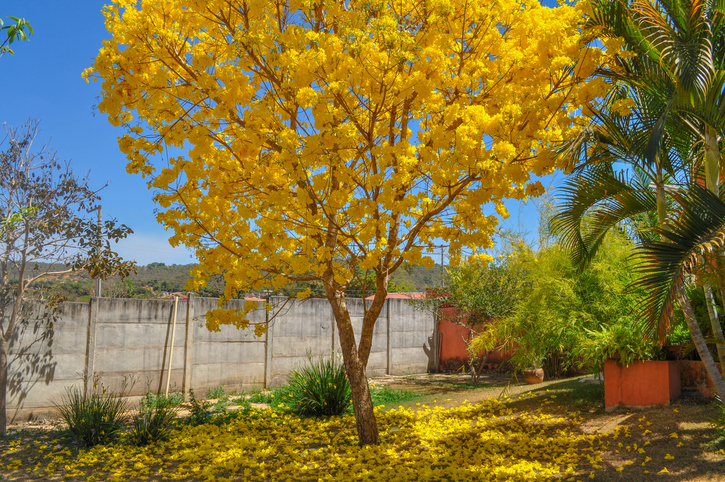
680,39
697,229
592,203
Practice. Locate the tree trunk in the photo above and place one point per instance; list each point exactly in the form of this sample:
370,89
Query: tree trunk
712,181
3,385
718,381
714,321
362,403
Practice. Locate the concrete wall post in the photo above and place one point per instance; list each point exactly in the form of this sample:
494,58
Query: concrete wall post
388,334
268,342
189,342
90,368
333,330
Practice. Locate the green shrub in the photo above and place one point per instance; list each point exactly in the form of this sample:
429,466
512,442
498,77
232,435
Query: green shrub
564,308
679,335
217,392
719,422
319,388
152,425
624,339
94,419
151,401
258,396
200,410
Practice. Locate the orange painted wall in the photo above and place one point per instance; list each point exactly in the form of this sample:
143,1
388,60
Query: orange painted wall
453,336
641,384
694,376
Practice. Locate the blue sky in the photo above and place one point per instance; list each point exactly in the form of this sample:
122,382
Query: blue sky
43,81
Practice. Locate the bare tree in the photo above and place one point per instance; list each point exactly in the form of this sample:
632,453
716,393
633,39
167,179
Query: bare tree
46,230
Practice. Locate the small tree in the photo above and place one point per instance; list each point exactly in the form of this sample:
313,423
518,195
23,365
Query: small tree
480,295
323,137
45,231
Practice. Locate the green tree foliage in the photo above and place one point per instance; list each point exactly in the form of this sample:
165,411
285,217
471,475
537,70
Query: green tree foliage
560,305
44,218
482,293
19,30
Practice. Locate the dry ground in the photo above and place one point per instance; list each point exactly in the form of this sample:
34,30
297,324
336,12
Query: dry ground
698,450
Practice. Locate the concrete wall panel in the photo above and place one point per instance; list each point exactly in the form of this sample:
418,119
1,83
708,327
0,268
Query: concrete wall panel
131,338
229,352
116,310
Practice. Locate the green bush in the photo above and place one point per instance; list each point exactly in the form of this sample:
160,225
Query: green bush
624,339
93,419
151,401
258,396
319,388
217,392
563,308
152,425
200,410
719,423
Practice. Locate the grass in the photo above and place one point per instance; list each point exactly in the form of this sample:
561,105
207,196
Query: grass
390,396
545,433
381,396
453,387
216,392
260,396
586,397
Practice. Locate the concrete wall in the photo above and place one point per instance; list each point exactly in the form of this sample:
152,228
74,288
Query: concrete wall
46,357
128,341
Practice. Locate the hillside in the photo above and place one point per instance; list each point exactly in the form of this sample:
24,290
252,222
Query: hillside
159,279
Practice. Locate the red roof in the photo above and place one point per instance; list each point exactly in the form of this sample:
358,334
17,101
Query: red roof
406,296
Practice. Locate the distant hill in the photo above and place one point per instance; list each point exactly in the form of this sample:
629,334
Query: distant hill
153,280
417,278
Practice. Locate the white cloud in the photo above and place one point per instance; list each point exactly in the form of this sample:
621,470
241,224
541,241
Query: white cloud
147,248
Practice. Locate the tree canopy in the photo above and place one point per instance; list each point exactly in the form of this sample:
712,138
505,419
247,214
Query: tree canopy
324,132
322,137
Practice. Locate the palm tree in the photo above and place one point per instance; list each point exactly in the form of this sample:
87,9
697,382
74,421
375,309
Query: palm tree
672,76
696,229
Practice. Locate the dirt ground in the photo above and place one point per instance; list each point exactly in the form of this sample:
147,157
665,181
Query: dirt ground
679,437
698,449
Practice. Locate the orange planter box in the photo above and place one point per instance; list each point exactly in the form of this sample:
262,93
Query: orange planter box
641,384
694,376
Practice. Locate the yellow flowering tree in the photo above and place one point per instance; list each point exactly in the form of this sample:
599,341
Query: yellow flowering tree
320,137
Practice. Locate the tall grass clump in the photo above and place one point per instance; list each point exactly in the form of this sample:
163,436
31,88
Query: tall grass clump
319,388
258,396
96,418
216,392
152,400
200,411
152,424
